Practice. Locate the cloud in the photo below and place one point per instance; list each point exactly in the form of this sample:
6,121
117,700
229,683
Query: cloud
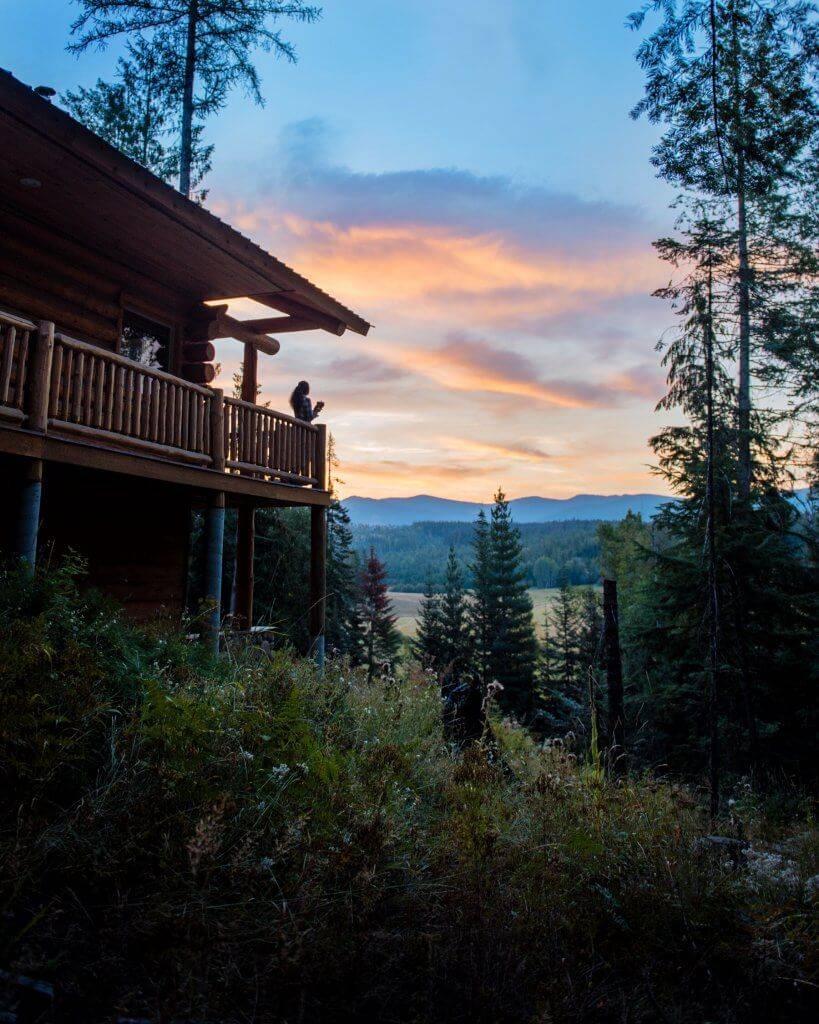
504,312
364,369
524,452
440,197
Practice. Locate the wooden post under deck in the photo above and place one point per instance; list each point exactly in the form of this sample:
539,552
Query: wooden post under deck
318,555
28,513
246,517
215,524
31,488
214,538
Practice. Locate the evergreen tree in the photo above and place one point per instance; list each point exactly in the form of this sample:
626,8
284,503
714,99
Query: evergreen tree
733,82
205,44
137,113
454,656
428,643
481,610
342,626
564,696
380,639
513,644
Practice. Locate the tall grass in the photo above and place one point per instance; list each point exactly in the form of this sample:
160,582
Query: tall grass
245,840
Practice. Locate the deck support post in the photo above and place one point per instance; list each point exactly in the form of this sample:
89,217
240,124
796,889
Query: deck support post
318,581
214,542
28,513
318,553
246,517
243,573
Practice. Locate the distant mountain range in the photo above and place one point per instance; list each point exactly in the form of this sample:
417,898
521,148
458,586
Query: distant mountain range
426,508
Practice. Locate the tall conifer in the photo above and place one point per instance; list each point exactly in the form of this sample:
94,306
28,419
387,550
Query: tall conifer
513,645
381,640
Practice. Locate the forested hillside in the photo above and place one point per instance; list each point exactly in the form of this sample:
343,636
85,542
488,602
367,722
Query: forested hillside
414,554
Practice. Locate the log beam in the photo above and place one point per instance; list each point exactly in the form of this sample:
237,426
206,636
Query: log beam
213,322
285,325
285,304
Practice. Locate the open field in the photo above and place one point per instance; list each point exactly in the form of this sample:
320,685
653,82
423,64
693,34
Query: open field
406,607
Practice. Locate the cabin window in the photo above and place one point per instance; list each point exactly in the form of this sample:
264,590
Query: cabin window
145,340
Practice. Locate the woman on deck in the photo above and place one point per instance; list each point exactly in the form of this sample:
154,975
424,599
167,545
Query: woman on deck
301,405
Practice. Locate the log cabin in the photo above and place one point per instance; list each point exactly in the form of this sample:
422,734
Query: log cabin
113,290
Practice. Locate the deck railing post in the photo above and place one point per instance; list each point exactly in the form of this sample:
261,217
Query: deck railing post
320,468
39,377
217,429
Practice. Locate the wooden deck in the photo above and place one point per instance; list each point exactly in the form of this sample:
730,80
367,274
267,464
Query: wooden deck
65,400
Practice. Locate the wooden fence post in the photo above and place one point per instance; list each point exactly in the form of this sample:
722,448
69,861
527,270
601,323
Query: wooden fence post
39,377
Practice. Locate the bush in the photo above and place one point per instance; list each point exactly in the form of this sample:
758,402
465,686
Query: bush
245,840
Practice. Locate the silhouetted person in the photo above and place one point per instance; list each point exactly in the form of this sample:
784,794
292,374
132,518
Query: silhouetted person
301,405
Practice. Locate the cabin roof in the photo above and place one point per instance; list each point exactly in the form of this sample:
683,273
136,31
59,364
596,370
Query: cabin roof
92,193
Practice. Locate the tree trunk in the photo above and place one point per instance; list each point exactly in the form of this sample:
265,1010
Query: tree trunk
186,139
744,279
614,669
711,555
744,393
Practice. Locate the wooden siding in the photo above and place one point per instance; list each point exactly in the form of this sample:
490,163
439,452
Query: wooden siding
133,534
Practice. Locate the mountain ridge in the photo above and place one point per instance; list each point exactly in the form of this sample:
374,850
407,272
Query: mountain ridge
529,509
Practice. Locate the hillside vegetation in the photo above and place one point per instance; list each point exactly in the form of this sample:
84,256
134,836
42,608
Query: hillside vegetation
414,554
245,840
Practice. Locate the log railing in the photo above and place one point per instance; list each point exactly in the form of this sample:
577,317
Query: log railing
265,443
102,394
58,384
15,336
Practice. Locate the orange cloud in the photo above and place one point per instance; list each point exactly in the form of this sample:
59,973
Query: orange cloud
427,269
519,452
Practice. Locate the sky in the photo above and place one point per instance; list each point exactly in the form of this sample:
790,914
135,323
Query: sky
465,176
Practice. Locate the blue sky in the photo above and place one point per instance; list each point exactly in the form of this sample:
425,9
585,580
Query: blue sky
465,175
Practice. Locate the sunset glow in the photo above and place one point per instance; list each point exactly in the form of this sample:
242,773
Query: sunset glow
483,199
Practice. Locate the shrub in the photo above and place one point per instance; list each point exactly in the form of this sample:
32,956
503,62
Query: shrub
248,840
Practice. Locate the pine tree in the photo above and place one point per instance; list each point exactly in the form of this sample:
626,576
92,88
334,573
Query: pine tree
207,43
342,626
428,642
733,82
454,657
381,640
481,610
513,644
137,113
564,698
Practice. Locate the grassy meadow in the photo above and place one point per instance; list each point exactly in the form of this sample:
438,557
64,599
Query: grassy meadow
407,607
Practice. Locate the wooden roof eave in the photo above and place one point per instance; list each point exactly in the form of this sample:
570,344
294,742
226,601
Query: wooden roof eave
286,286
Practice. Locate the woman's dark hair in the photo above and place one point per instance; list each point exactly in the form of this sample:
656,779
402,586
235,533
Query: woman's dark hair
302,388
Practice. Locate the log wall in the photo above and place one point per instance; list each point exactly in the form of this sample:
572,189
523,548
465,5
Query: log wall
134,533
49,277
